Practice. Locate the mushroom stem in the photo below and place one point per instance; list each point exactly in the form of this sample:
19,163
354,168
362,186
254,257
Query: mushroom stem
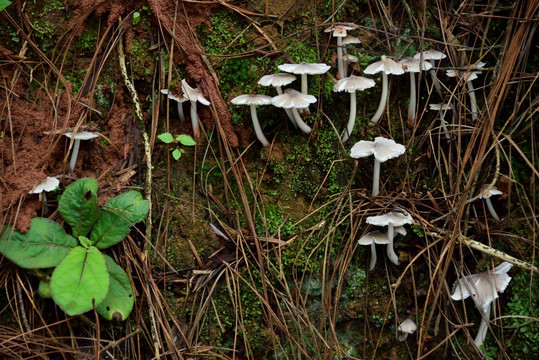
437,85
304,89
299,121
258,131
473,101
491,209
194,120
372,263
352,118
390,251
383,100
413,100
74,154
180,111
288,113
340,64
482,332
376,177
444,126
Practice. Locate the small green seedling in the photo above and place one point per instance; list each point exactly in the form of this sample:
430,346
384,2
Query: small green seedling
136,17
83,277
183,139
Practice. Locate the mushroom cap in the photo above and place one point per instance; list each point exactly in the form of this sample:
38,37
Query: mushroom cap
395,218
173,97
487,192
305,68
293,99
414,65
81,135
249,99
383,149
353,83
49,184
350,58
386,65
280,79
430,55
468,75
193,94
484,286
400,230
375,236
340,29
407,326
440,106
349,39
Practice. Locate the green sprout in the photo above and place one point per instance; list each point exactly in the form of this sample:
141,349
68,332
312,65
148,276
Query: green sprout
183,139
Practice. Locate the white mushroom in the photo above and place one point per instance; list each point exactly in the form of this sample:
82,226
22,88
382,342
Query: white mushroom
194,95
340,31
469,76
483,288
278,81
407,327
486,193
47,185
352,84
179,100
391,219
377,237
431,56
79,136
442,108
348,59
294,100
413,66
349,40
305,69
253,101
383,149
386,66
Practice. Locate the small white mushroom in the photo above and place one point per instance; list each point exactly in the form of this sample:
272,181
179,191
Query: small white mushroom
340,31
349,40
352,84
305,69
407,327
278,81
348,59
79,136
386,66
483,288
486,193
383,149
47,185
372,238
391,219
431,56
442,109
179,100
294,100
469,76
253,101
413,66
194,95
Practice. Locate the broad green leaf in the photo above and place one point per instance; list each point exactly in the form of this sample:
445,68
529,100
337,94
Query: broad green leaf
167,138
44,289
85,242
4,4
43,246
80,280
78,205
120,298
186,140
117,217
176,154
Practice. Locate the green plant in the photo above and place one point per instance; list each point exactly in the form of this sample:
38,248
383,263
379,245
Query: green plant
4,4
83,277
183,139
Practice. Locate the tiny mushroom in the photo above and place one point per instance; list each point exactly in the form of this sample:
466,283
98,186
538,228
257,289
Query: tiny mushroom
278,81
377,237
340,31
305,69
348,59
349,40
407,327
483,288
294,100
179,100
253,101
352,84
486,193
194,95
442,108
49,184
413,66
469,76
391,219
79,136
386,66
383,149
431,56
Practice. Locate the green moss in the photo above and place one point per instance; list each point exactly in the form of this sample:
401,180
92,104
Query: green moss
141,59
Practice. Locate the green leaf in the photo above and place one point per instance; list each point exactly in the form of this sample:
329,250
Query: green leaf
43,246
176,154
80,280
85,242
44,289
117,217
120,298
186,140
78,206
4,4
167,138
136,17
